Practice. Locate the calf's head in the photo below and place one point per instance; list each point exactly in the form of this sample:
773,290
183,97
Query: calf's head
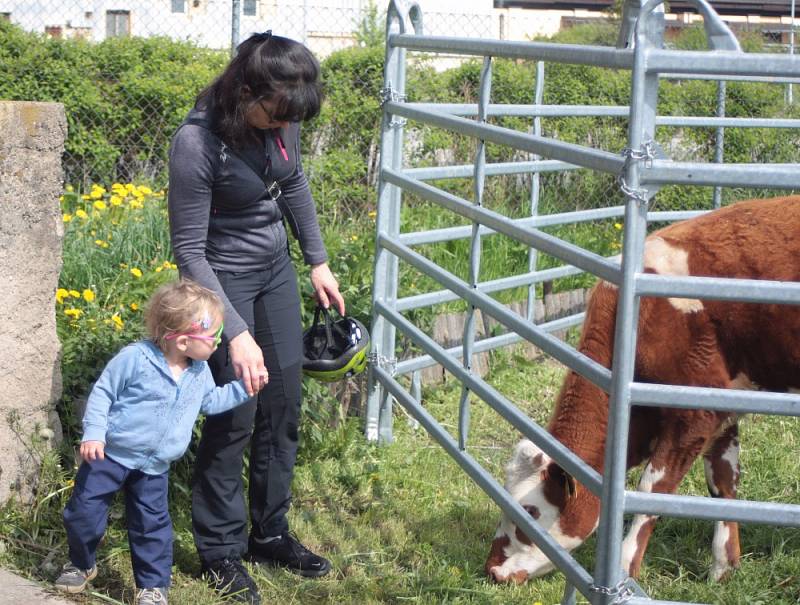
567,511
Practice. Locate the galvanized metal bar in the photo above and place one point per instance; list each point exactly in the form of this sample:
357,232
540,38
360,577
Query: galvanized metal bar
583,365
599,56
552,148
495,285
721,63
770,176
479,180
533,254
488,344
569,595
719,140
649,601
498,402
713,509
530,222
718,288
497,168
607,111
549,244
727,77
731,400
641,130
575,574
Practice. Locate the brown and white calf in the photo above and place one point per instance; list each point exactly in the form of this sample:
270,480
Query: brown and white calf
682,342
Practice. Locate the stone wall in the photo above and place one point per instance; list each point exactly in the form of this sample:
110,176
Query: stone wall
31,143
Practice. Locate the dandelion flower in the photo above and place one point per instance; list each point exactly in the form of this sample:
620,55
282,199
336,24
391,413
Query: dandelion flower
618,226
118,323
73,313
88,295
66,217
60,198
69,188
372,214
74,294
61,294
134,307
85,196
81,214
354,238
115,200
99,205
136,272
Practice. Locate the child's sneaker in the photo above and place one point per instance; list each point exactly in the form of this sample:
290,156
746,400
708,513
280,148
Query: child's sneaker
151,596
73,579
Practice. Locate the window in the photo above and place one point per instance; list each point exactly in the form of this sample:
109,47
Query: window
118,24
249,8
178,6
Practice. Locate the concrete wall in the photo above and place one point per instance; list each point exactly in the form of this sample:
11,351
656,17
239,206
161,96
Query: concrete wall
31,143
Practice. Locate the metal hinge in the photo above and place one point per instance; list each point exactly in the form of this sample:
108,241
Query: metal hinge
621,592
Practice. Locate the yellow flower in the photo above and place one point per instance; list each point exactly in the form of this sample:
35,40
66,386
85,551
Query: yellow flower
99,205
118,323
617,226
73,313
354,238
60,198
115,200
372,214
85,196
136,204
61,294
69,188
159,269
136,272
66,217
101,243
134,307
81,214
97,192
74,294
129,187
145,190
88,295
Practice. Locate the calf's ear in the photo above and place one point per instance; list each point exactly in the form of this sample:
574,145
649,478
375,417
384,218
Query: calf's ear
530,456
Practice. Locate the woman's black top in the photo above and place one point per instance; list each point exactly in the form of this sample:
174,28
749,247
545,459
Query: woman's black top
222,215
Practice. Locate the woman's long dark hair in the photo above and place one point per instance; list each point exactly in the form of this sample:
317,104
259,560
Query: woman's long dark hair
272,68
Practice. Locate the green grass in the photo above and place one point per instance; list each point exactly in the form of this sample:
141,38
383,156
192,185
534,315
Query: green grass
402,524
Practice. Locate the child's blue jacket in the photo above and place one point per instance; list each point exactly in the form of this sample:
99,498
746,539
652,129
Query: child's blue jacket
144,417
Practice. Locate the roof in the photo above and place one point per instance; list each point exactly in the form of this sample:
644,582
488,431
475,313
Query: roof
723,7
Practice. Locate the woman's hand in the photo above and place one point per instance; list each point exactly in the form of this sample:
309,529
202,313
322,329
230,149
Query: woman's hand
248,362
326,288
93,450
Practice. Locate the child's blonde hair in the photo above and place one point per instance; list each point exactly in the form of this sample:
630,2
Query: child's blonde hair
180,306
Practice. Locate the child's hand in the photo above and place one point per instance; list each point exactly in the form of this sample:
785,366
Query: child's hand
93,450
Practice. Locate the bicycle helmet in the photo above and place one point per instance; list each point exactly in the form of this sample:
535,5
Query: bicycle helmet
333,350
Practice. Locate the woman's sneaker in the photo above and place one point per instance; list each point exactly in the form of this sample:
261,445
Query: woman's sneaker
74,579
287,551
151,596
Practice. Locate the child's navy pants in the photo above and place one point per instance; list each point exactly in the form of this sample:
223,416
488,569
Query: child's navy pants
146,511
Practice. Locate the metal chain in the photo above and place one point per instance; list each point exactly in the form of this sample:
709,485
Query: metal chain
390,94
387,363
645,153
622,593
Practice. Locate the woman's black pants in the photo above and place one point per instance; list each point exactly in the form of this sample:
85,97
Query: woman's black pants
269,302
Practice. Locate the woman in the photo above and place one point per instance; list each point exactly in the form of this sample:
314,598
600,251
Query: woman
235,173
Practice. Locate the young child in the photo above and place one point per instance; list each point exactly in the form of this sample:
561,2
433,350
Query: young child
138,419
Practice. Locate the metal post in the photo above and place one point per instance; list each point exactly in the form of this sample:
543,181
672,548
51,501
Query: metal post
236,11
479,174
379,404
608,582
719,141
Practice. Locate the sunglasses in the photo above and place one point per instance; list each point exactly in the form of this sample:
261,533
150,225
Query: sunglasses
216,338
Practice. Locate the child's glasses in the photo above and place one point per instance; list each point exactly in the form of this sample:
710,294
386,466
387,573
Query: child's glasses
216,338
